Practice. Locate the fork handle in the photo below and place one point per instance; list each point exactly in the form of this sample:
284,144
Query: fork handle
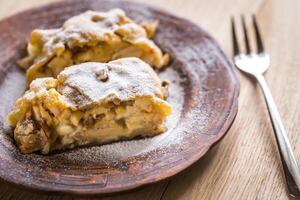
289,162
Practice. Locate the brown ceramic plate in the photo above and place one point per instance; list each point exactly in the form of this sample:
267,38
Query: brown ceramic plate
204,94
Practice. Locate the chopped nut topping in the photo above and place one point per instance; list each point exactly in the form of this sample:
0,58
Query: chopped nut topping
165,83
165,88
96,18
102,75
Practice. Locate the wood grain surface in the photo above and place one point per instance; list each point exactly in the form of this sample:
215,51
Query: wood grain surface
245,164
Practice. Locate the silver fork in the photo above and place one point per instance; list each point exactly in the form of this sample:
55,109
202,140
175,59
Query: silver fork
256,64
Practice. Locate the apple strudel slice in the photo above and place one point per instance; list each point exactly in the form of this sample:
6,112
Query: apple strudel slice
90,36
90,103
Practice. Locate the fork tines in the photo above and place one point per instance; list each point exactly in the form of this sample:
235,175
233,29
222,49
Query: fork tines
259,43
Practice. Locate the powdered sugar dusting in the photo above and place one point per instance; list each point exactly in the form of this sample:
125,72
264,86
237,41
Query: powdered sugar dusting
12,87
128,78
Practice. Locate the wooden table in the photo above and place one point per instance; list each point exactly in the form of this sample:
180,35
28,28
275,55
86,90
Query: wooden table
245,164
